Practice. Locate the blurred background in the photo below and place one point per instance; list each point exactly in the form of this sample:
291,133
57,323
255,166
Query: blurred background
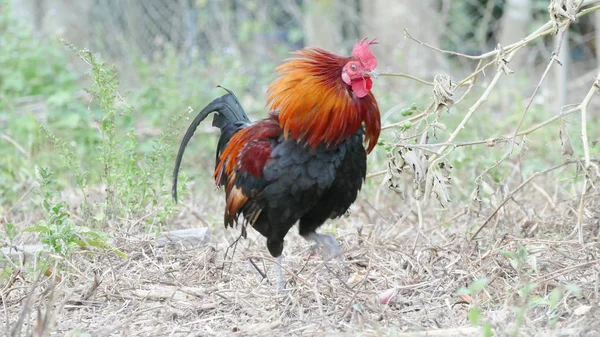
247,37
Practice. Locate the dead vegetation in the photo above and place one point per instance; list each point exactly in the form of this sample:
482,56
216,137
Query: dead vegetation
395,280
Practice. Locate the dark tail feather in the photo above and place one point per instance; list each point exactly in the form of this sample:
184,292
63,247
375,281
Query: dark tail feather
231,112
228,111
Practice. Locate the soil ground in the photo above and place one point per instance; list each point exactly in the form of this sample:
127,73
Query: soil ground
395,279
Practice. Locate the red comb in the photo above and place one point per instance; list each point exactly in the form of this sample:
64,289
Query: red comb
362,52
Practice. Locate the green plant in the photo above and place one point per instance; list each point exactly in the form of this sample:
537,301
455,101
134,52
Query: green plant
475,313
134,178
527,291
10,231
71,162
524,264
57,230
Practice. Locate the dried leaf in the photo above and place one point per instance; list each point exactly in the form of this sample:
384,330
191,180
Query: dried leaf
394,173
438,181
395,165
445,169
424,183
560,11
466,298
394,185
357,277
443,90
501,60
412,160
565,140
439,126
440,189
475,196
39,325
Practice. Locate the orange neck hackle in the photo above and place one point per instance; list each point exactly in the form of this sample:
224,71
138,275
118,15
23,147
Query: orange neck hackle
316,106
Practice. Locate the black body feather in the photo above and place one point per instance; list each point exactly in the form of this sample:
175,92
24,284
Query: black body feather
303,184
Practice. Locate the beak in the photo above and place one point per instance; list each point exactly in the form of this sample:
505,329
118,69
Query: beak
372,73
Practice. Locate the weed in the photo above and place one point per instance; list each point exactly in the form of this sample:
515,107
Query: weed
475,314
58,231
134,183
10,231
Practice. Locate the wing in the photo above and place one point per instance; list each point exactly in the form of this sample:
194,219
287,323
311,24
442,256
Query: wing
273,182
247,180
241,166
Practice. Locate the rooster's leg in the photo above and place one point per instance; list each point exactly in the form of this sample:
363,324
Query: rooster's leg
279,273
330,246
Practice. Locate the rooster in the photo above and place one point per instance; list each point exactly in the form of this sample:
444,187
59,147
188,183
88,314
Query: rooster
306,161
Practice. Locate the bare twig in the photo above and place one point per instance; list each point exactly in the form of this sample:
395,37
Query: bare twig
586,152
579,224
583,108
557,273
488,141
411,119
547,28
518,188
414,78
510,150
471,81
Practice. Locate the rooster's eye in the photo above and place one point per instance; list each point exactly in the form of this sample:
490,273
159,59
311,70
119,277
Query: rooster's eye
353,67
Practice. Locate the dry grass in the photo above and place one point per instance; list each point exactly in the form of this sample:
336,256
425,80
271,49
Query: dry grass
185,291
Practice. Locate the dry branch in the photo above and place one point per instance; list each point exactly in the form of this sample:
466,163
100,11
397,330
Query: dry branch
518,188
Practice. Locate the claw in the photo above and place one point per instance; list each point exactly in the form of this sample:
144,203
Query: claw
331,248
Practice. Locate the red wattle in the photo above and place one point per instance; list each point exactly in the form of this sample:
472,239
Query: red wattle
362,86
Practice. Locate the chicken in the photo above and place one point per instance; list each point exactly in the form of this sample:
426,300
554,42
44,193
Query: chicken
306,161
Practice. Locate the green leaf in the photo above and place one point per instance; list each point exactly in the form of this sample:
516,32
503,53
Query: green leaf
463,291
474,315
40,227
536,301
478,285
507,254
554,298
574,289
119,253
522,253
532,262
10,230
92,243
527,289
487,330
